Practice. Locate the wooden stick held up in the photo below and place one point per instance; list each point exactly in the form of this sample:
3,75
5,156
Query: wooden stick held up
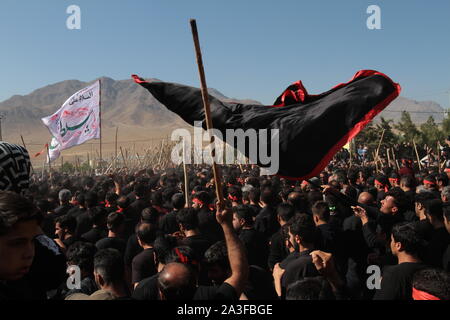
417,155
209,125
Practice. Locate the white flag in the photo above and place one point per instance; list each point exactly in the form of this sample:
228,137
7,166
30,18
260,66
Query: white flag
54,150
78,120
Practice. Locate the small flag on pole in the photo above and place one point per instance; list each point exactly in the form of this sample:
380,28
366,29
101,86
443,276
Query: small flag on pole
42,151
54,150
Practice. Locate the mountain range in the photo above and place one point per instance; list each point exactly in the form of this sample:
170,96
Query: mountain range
139,116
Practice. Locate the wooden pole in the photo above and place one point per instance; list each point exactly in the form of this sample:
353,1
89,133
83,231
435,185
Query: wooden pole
186,179
25,146
43,169
115,148
417,155
49,162
388,157
123,157
439,156
209,125
376,162
89,163
62,163
139,160
379,144
160,152
23,142
395,159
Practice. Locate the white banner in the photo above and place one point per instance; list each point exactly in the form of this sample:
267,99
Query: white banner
54,150
78,120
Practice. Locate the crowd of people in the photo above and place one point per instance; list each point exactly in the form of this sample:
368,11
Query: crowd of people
351,233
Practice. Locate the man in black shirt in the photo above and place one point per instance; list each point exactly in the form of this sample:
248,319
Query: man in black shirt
144,264
116,225
141,191
188,224
84,219
278,250
65,227
302,235
79,206
207,223
168,223
254,242
266,220
64,198
253,196
329,235
98,217
440,238
396,281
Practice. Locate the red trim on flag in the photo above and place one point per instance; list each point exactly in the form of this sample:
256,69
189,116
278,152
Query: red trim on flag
358,127
137,79
299,94
42,151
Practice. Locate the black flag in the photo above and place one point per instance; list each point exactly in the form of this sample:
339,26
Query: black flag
312,128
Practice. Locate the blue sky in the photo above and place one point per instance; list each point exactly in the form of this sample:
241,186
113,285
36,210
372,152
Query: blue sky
251,49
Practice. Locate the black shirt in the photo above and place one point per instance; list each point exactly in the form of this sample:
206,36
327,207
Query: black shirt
290,257
396,283
94,235
62,210
260,285
298,269
143,265
132,249
69,241
75,211
114,243
435,250
140,204
147,289
198,243
277,249
256,245
208,225
256,209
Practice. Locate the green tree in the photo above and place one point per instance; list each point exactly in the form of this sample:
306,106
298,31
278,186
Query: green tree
430,133
389,137
407,128
68,168
446,125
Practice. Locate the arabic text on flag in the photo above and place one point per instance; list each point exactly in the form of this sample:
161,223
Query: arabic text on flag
78,120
